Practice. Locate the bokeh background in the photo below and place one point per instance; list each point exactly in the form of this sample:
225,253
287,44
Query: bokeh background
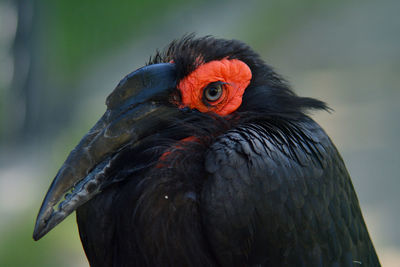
60,59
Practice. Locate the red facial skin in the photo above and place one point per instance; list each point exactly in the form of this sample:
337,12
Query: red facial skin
233,73
235,76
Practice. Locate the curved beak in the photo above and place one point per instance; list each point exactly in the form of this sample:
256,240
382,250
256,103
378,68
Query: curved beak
134,111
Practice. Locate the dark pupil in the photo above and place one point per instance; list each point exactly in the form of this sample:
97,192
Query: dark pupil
213,91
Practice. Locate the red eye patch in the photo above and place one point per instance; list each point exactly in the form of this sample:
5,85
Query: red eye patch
233,73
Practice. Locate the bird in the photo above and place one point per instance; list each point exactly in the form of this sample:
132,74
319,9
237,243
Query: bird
206,157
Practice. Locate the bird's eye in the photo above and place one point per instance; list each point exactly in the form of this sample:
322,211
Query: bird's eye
213,91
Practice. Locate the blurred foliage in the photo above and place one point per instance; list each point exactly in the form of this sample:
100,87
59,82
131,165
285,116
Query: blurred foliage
58,249
81,30
279,17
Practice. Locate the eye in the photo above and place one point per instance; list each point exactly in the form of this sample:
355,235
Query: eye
213,91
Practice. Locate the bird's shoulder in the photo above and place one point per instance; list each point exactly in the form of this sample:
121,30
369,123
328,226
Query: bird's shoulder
275,191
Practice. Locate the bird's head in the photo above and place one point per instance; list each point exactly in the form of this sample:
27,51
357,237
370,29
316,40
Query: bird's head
190,89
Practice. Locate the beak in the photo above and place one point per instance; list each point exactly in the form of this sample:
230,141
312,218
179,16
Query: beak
135,110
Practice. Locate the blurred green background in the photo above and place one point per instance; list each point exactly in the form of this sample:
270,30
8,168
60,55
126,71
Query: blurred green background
60,59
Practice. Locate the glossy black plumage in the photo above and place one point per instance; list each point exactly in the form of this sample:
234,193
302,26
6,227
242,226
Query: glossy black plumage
287,196
263,186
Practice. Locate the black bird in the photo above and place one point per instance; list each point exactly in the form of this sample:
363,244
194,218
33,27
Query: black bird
206,157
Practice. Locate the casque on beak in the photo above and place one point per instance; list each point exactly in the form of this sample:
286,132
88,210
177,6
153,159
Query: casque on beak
134,111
